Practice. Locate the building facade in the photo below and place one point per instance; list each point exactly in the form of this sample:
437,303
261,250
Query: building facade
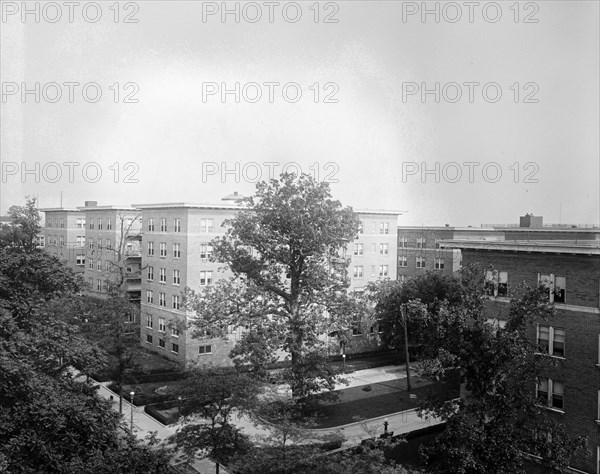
570,270
64,236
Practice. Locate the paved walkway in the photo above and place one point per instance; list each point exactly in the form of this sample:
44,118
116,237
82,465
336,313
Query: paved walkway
402,422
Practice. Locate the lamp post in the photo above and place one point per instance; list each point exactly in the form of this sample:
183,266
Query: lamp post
131,394
179,412
385,427
406,355
344,362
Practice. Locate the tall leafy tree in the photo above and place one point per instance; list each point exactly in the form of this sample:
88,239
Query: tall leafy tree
285,249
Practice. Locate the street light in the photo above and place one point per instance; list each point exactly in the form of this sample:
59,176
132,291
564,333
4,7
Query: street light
344,361
131,394
385,427
179,412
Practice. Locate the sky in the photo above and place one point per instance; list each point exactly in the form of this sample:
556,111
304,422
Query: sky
451,113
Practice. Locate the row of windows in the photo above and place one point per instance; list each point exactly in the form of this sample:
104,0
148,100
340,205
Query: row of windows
359,271
419,243
383,249
206,250
99,223
420,262
202,350
497,285
60,240
384,228
206,277
162,299
206,225
162,326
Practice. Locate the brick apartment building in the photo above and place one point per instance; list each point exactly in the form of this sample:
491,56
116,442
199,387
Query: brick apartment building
64,236
571,271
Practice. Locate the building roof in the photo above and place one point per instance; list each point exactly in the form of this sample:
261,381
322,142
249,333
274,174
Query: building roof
61,209
580,247
187,205
108,208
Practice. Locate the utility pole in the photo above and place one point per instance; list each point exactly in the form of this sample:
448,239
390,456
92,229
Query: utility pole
405,325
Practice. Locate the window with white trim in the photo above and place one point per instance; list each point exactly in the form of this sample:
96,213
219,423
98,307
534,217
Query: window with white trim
383,271
358,249
176,251
163,224
358,271
149,338
149,296
206,278
551,340
81,240
403,242
161,325
162,299
206,251
206,349
81,260
556,286
207,225
174,331
175,348
356,326
109,224
176,277
421,243
551,393
161,343
384,228
99,265
151,224
91,224
100,223
496,283
80,223
402,261
109,244
149,321
176,302
163,249
420,262
150,275
162,276
150,248
176,224
439,263
383,249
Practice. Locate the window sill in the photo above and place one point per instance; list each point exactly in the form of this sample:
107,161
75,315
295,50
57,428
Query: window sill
173,352
555,410
554,356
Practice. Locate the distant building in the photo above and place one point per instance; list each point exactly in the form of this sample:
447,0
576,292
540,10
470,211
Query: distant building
63,235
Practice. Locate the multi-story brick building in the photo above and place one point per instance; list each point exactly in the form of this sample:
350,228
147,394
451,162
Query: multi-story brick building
64,236
176,254
571,272
112,237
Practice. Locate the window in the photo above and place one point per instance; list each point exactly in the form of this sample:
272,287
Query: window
358,271
149,296
109,224
420,262
151,225
162,299
62,240
150,273
149,338
403,261
107,265
551,340
163,249
91,282
177,224
162,276
99,265
358,249
161,325
176,251
439,263
421,243
556,285
62,222
360,228
163,224
100,244
80,223
356,326
99,284
384,228
176,277
205,252
373,269
91,263
99,223
81,240
175,348
161,343
383,270
108,244
175,331
149,321
550,393
403,242
205,349
373,249
383,249
496,283
176,303
91,225
207,225
150,248
402,278
205,278
81,260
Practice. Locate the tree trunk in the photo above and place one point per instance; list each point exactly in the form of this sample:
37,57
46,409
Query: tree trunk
217,468
120,394
406,354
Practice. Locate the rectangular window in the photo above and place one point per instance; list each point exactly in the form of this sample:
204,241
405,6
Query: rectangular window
62,222
81,240
175,348
99,223
162,299
149,321
206,251
556,286
175,302
91,263
91,283
151,225
80,223
358,249
383,249
175,331
439,263
205,349
383,271
108,244
176,277
99,265
161,325
107,265
150,276
207,225
496,283
356,326
403,261
163,249
91,225
149,296
551,393
163,224
81,260
358,271
403,242
109,224
177,224
420,243
62,240
384,228
150,248
402,278
162,276
161,343
149,338
206,278
551,340
176,251
420,262
360,228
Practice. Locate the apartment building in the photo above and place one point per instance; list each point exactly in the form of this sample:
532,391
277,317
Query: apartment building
112,238
570,269
64,236
176,254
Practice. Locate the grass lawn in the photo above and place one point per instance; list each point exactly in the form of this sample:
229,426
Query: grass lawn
152,362
383,398
145,393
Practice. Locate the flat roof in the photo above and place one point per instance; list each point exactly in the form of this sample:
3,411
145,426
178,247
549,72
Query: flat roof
187,205
107,208
60,209
584,247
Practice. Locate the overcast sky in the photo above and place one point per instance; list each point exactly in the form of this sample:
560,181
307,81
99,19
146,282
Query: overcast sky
360,120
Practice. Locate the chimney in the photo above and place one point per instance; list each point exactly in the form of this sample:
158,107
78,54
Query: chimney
531,221
91,203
